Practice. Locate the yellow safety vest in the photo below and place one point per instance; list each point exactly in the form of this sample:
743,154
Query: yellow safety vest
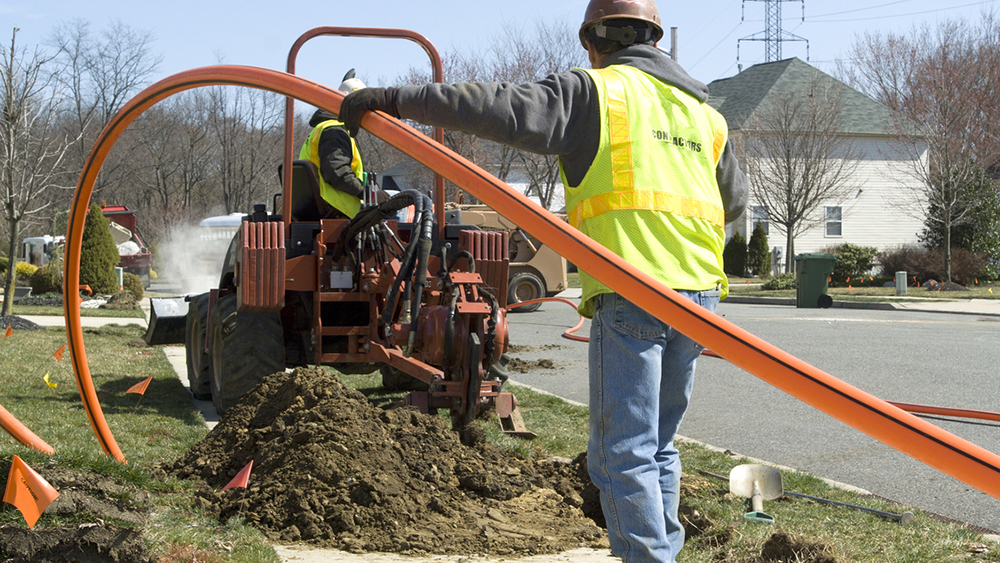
345,203
651,196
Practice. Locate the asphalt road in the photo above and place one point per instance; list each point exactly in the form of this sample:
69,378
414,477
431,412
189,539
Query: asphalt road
929,358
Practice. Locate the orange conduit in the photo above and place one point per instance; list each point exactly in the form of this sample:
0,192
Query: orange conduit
568,333
903,431
948,411
21,433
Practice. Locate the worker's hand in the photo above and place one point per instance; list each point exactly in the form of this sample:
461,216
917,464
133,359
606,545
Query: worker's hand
358,102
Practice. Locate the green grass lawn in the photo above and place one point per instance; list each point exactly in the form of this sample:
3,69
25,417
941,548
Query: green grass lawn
164,423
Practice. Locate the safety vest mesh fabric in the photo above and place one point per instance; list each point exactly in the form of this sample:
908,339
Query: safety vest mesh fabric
345,203
651,196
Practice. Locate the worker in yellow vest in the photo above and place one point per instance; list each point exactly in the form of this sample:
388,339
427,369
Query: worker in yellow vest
649,173
336,156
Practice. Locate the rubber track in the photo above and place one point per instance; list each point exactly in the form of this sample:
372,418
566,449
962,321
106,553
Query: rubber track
903,431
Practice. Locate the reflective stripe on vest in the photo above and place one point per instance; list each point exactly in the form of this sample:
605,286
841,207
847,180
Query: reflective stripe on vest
651,195
623,177
345,203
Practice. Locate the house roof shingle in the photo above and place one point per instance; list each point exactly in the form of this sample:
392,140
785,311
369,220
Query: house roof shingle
738,97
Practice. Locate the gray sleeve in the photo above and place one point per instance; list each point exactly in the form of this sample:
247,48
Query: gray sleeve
732,185
545,117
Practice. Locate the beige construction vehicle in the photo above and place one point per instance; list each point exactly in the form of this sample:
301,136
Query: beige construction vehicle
535,270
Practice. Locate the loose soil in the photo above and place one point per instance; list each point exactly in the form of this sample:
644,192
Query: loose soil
331,469
106,526
18,323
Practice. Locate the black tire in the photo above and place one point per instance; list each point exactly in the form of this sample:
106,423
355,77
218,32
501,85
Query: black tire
525,286
825,301
198,359
245,347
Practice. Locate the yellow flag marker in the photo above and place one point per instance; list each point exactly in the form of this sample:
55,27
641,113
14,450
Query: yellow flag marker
49,383
991,290
28,491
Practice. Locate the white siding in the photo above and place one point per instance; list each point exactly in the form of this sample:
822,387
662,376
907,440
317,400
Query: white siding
883,210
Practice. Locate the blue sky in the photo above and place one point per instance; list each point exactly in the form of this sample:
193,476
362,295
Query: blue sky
191,34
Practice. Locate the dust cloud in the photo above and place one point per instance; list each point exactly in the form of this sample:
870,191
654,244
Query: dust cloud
193,255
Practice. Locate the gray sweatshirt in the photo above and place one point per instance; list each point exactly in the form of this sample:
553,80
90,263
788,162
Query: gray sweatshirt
558,115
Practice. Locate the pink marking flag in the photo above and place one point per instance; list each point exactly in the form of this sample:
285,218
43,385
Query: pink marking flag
241,479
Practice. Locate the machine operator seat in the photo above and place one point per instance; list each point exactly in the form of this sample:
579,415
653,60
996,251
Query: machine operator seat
307,202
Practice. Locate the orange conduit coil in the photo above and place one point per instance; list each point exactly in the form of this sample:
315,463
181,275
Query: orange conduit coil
903,431
21,433
570,333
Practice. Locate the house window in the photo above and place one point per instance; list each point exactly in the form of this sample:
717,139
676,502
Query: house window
834,221
759,215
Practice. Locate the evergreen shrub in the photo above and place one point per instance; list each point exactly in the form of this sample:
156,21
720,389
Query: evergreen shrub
133,283
99,254
734,256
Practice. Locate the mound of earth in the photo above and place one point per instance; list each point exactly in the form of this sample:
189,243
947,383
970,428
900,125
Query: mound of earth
330,468
122,300
109,520
18,323
947,286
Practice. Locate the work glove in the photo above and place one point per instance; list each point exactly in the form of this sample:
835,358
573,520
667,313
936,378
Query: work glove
358,102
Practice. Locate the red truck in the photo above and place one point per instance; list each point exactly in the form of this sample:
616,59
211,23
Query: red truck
135,256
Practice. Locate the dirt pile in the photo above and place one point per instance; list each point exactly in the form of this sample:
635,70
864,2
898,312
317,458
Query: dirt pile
333,470
18,323
92,502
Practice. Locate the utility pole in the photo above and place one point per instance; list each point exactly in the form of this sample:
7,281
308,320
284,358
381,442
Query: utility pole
773,35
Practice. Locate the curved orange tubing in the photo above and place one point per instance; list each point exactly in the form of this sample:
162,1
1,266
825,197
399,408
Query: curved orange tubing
903,431
21,433
570,333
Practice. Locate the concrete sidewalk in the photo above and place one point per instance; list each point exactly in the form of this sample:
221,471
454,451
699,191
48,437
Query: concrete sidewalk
982,307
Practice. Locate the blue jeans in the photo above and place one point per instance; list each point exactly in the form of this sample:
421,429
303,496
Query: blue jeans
641,374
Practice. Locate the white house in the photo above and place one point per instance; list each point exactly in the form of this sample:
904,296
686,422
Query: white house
882,209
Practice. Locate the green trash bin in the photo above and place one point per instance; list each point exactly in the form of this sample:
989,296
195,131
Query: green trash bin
812,280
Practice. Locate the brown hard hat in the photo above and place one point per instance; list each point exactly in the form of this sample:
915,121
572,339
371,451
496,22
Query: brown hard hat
601,10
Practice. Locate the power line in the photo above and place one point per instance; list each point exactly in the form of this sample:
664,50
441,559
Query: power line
861,9
904,15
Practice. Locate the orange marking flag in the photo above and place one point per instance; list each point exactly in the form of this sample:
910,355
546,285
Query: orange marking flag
59,353
140,387
8,332
27,491
241,479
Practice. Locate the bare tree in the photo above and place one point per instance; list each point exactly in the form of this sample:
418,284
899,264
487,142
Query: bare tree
796,157
101,73
515,56
171,143
947,81
245,127
32,150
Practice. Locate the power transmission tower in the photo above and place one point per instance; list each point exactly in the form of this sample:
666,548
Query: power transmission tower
772,36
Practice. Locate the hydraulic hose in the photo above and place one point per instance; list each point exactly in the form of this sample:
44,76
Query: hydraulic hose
903,431
420,204
423,256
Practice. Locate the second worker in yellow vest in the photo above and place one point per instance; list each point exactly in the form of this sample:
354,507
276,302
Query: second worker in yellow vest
336,156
